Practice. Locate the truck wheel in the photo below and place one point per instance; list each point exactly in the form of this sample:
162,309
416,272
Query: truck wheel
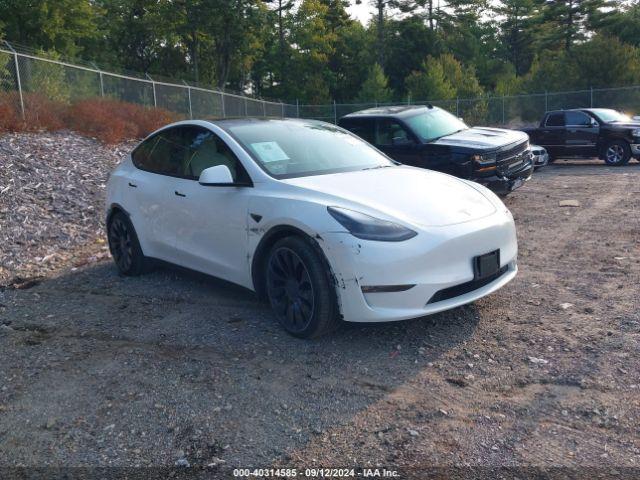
617,153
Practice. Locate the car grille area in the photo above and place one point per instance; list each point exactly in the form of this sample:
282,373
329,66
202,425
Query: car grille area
512,159
463,288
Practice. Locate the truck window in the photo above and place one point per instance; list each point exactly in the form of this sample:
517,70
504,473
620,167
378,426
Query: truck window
391,132
555,119
362,127
578,119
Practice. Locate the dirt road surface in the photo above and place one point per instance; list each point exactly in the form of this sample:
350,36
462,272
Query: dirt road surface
97,369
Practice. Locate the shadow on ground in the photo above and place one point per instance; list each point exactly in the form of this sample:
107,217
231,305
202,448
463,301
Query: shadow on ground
103,369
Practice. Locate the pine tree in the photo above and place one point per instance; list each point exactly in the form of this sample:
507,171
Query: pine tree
375,87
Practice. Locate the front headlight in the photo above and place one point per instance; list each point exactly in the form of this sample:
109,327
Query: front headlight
369,228
485,163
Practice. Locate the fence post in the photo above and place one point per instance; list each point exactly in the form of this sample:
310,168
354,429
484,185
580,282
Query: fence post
246,110
335,113
591,99
458,107
189,93
264,108
297,108
224,113
503,119
100,76
153,84
546,101
17,67
282,107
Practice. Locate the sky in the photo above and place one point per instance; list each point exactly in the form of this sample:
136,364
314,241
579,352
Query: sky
361,12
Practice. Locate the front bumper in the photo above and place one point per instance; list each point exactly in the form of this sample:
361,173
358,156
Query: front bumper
502,184
432,261
635,149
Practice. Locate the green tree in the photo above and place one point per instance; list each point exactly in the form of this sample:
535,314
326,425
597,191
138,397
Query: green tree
376,87
517,31
624,24
65,26
566,22
409,41
429,83
314,44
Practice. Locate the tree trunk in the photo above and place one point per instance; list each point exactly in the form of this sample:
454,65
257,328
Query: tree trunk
380,6
431,14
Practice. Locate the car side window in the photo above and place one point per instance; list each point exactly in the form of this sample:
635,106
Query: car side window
204,150
185,152
555,119
577,119
362,127
161,153
390,132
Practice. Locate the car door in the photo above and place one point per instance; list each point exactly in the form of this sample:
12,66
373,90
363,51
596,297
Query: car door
211,227
552,133
582,133
397,141
150,198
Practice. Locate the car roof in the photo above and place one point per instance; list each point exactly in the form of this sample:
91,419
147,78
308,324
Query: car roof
396,111
235,121
591,110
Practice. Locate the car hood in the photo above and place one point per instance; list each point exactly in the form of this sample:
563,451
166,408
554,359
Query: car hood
482,138
413,195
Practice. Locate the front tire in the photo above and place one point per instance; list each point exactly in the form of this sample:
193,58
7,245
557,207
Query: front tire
124,246
301,289
617,152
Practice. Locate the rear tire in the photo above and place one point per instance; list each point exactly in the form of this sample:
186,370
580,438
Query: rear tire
124,246
617,153
300,288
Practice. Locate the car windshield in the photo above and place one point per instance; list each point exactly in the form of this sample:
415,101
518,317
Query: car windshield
609,115
288,149
434,123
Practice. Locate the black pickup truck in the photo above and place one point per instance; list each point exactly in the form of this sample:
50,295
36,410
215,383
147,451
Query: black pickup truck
429,137
587,133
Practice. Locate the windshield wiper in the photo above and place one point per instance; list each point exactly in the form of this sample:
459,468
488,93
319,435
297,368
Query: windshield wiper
377,166
447,134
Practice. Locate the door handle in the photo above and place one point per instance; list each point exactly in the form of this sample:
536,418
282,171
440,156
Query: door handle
133,185
178,194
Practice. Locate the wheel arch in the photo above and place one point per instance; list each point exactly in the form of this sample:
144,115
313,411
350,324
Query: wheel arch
278,232
113,209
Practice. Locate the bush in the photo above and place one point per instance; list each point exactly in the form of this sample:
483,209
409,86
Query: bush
10,117
41,113
113,121
110,121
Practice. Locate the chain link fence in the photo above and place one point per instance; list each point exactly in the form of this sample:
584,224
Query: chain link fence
508,111
27,79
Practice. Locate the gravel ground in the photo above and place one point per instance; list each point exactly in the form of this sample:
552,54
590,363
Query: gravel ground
51,200
97,369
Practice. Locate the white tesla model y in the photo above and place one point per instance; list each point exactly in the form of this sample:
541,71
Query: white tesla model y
310,217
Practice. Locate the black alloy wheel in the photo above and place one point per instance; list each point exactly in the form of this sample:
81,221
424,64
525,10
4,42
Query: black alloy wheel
124,245
290,289
300,288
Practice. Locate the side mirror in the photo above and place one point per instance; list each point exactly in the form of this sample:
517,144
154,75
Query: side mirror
216,176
